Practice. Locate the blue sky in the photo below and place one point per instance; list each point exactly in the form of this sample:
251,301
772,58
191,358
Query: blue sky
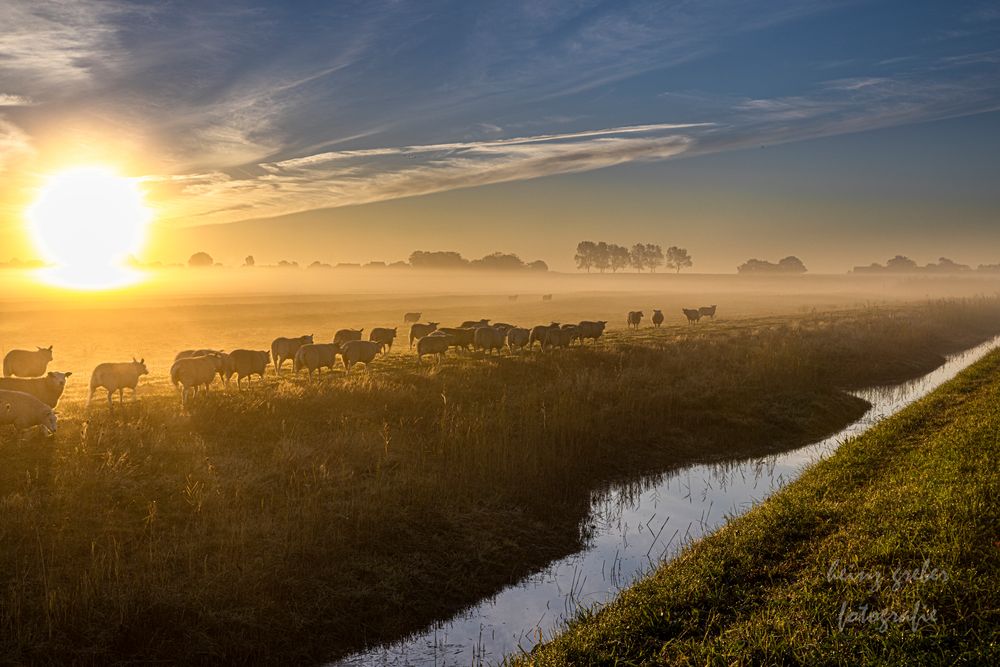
235,111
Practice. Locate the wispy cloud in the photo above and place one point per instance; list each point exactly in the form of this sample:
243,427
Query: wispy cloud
342,178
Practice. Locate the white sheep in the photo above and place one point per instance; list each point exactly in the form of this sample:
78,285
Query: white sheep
117,377
25,411
47,389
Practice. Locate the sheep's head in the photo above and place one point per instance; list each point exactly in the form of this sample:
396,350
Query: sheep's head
46,352
140,366
58,380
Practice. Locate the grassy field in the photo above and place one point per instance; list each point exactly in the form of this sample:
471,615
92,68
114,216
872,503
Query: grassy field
301,521
885,553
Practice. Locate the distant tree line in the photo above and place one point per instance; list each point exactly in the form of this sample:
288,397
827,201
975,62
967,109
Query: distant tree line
790,264
419,259
903,264
602,256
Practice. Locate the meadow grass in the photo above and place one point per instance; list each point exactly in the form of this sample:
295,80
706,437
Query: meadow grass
884,553
301,520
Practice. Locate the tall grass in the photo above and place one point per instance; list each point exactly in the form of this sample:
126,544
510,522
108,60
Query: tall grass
300,521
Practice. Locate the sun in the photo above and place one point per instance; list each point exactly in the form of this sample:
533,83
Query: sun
86,222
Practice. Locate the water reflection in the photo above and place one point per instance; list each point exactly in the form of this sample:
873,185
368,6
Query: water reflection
632,528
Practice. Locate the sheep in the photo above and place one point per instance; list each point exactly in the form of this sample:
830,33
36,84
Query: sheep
224,375
693,315
359,351
117,377
487,339
503,328
546,297
315,357
246,363
411,318
24,411
184,354
285,348
561,337
591,329
190,373
539,332
707,311
383,335
473,324
47,389
634,317
657,318
418,331
462,336
347,335
517,337
27,363
433,344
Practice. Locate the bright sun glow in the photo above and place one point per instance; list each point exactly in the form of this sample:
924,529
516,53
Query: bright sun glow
86,222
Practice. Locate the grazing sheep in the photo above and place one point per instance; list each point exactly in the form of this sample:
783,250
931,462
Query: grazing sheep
347,335
117,377
546,297
462,337
191,373
473,324
223,374
285,348
383,335
411,318
487,339
359,351
657,318
47,389
246,363
634,318
561,337
433,344
418,331
24,411
707,311
517,337
27,363
591,329
538,334
315,357
693,315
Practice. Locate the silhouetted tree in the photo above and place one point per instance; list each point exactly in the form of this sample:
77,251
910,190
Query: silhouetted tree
249,261
618,257
602,256
678,258
319,265
285,264
637,257
792,264
538,265
585,255
498,261
901,263
200,259
946,265
421,259
654,256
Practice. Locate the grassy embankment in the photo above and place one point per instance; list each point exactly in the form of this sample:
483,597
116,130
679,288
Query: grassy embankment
300,521
885,553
